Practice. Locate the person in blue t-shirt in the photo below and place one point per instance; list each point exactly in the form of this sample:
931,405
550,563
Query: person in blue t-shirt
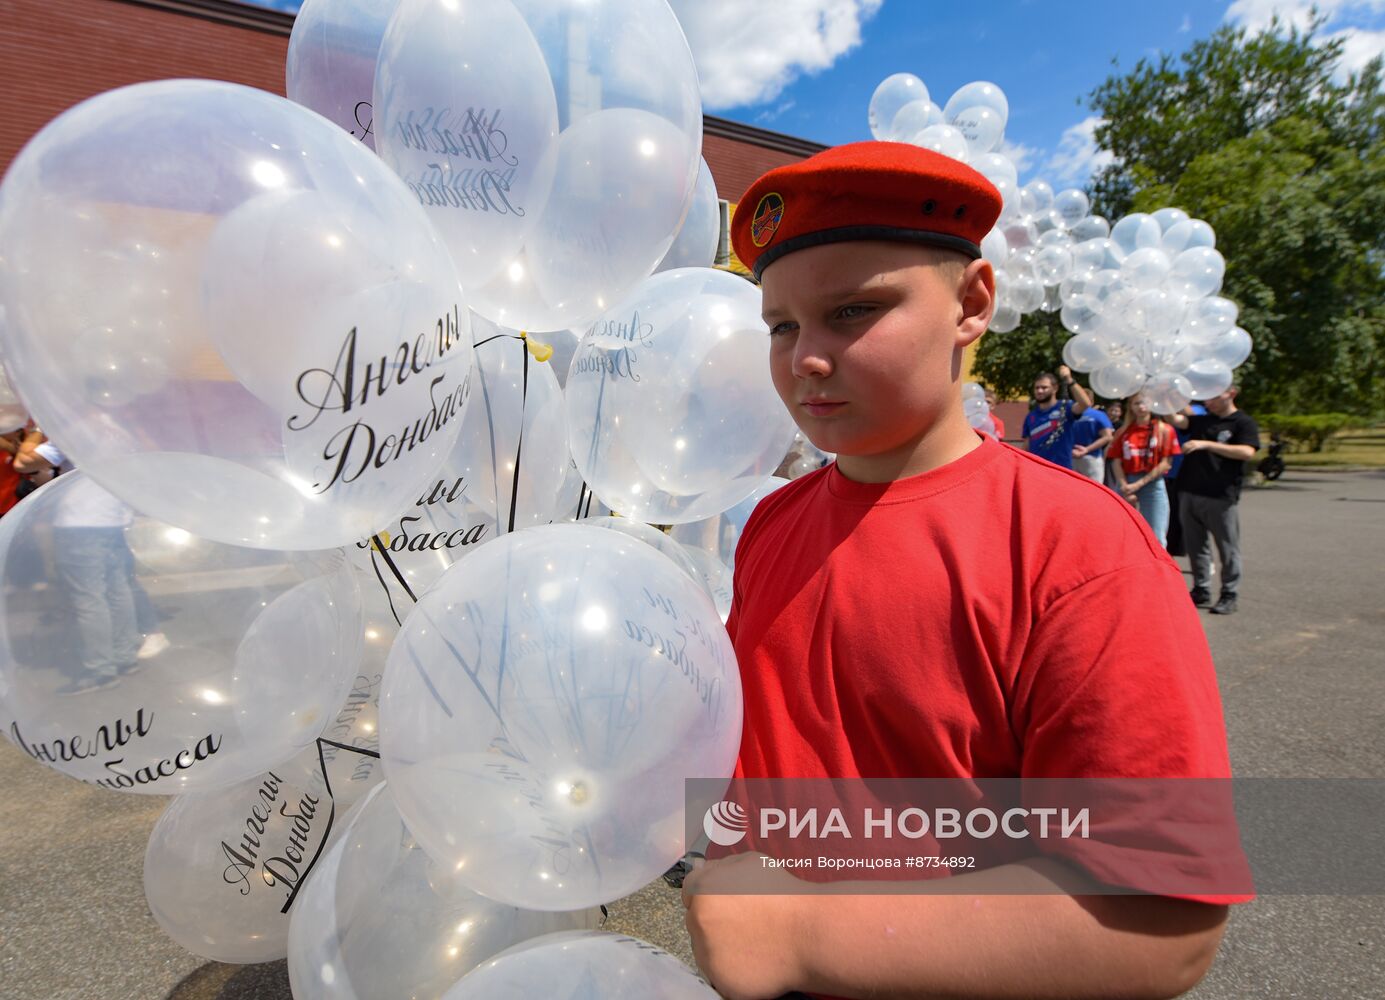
1048,429
1090,436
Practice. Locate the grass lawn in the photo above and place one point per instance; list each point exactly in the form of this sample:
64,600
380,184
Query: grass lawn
1349,448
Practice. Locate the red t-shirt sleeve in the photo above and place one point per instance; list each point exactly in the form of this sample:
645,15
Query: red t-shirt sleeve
1117,682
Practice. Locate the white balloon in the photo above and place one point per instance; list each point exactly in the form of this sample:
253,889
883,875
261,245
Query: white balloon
697,239
1093,227
1072,205
994,166
1137,231
890,96
1230,348
1118,379
1037,197
944,139
981,126
1197,272
380,919
1085,354
1052,264
994,248
1207,378
1186,235
1169,217
1005,318
1168,392
1146,268
1158,312
979,93
331,60
1209,318
582,966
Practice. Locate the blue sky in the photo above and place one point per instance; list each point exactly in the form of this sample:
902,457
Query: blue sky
809,67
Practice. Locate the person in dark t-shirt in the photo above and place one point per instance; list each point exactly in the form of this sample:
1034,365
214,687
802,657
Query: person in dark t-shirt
1209,488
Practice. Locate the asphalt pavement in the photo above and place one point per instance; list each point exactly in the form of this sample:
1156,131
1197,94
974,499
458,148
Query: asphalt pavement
1302,674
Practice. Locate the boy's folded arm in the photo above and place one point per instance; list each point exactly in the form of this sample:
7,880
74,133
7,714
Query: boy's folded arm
1055,942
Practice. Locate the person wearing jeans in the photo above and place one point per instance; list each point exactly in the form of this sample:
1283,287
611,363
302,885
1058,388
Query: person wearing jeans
1209,489
1143,450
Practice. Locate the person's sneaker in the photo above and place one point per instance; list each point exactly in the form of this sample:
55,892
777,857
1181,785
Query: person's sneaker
91,681
1201,598
154,644
1225,606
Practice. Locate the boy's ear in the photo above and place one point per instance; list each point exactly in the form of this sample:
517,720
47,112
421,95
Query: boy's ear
976,293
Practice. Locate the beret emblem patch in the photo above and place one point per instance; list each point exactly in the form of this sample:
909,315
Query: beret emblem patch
769,213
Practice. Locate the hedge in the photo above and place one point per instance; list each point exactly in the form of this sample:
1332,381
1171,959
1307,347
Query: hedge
1304,431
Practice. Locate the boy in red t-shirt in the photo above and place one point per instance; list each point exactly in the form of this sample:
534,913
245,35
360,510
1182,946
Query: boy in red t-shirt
939,605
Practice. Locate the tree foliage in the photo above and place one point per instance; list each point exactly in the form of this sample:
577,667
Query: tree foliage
1253,134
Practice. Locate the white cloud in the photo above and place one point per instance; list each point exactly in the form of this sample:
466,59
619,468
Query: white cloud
1187,24
1361,44
1021,155
748,53
1077,157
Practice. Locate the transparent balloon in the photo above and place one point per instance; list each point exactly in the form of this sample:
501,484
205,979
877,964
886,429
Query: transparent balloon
582,965
890,97
1146,268
719,535
1072,205
1053,300
626,162
1169,217
672,415
13,414
1005,318
1052,264
1197,272
996,166
697,239
1081,314
465,113
331,60
1186,235
543,704
1093,227
914,117
284,432
380,919
1230,348
1020,234
1209,318
1158,312
978,94
513,449
716,577
1167,392
1037,196
149,660
981,126
564,345
651,536
1136,232
223,869
1207,378
994,248
944,139
1026,292
1118,379
1085,353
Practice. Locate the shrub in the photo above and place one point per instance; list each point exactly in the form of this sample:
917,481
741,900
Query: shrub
1305,431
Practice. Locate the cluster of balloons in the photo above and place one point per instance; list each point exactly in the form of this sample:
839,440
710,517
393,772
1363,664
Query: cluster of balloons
977,407
1140,295
350,383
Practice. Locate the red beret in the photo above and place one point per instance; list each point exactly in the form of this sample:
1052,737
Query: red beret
864,191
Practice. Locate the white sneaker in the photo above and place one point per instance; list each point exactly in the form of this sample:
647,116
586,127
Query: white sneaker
154,644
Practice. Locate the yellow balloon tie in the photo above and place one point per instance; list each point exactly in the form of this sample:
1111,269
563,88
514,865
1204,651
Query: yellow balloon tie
383,536
540,351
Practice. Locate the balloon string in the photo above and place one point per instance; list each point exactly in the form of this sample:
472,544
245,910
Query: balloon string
519,443
497,336
331,810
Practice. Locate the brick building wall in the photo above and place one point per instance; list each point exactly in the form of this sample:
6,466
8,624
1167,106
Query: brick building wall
56,53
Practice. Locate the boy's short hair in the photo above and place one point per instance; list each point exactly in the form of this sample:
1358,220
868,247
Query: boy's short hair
889,191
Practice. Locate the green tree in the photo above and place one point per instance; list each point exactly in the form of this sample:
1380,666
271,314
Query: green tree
1253,134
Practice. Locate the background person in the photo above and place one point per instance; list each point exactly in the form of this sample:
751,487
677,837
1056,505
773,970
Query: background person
1048,427
1090,436
1220,442
1143,451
